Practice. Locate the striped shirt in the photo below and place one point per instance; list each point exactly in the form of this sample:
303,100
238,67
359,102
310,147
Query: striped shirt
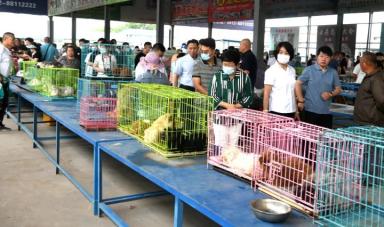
205,72
235,91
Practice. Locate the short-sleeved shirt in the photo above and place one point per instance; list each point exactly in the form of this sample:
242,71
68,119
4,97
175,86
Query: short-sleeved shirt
282,97
48,52
205,72
360,74
5,61
184,69
74,63
106,62
235,91
318,81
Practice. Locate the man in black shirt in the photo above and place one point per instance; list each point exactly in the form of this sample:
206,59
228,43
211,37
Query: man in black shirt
143,53
248,60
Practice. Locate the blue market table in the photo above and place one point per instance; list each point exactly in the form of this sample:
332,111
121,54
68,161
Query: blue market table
223,199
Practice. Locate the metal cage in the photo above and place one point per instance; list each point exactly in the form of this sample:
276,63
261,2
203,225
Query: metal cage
55,83
170,120
287,162
232,139
115,61
353,192
97,98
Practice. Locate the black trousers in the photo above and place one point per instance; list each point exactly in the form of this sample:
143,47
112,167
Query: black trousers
189,88
322,120
4,101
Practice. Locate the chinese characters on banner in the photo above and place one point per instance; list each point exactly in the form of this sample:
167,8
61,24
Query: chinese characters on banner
230,10
37,7
288,34
189,11
326,36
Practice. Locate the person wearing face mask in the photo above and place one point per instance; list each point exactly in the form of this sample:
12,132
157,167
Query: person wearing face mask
104,62
151,70
279,83
322,83
206,66
369,104
90,59
35,54
147,47
183,69
231,87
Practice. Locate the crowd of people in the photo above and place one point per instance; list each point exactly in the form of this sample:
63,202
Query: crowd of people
233,78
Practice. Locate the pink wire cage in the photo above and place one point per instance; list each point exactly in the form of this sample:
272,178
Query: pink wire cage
288,163
232,139
98,113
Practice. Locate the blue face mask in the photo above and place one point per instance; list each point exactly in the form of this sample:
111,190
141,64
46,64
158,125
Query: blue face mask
228,70
103,50
205,57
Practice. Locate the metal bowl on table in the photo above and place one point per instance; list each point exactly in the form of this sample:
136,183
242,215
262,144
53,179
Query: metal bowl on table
270,210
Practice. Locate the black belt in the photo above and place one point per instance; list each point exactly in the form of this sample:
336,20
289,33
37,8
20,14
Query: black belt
186,87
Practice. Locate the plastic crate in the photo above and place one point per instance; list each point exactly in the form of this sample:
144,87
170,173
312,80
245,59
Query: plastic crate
232,139
170,120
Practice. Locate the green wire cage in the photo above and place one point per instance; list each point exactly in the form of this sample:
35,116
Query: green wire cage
352,188
106,60
55,83
171,121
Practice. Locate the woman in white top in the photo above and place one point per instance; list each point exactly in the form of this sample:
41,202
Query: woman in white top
279,83
105,62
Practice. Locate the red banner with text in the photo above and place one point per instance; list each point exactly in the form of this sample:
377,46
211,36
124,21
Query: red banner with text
230,10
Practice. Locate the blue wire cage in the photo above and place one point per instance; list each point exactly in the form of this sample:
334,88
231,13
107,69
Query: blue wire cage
350,175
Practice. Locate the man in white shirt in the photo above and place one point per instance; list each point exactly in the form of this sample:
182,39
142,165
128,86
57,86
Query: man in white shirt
5,72
358,74
184,66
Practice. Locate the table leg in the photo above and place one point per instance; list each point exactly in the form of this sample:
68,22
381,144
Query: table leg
98,182
57,146
18,112
178,213
34,126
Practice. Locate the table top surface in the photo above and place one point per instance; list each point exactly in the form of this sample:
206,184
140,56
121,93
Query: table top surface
224,199
67,114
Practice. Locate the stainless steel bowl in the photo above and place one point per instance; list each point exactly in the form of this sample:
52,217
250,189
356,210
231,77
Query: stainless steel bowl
270,210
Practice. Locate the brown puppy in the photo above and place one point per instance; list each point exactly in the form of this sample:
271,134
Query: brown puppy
285,170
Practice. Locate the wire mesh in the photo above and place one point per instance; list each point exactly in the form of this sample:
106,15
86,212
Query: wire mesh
287,162
98,100
232,139
107,60
171,121
55,83
353,196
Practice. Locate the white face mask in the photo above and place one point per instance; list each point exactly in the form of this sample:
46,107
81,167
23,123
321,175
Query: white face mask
228,70
283,59
205,57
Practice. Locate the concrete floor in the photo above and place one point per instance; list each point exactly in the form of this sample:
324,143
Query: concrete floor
31,194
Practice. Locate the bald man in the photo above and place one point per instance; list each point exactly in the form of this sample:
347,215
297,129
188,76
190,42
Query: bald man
369,104
248,60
